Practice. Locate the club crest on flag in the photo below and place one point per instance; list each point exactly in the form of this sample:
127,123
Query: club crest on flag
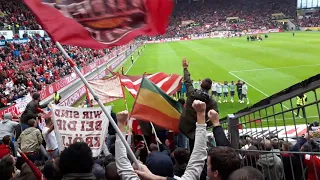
106,21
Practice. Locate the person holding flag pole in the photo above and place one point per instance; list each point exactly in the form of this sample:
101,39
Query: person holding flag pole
114,125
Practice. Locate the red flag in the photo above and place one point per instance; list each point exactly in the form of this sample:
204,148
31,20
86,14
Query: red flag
100,24
170,84
33,167
136,127
88,97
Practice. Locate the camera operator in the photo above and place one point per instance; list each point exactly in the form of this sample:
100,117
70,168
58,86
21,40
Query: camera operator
188,118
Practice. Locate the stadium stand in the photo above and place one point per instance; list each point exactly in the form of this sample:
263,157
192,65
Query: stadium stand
251,137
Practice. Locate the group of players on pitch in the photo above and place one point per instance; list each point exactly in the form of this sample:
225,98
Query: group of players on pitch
220,91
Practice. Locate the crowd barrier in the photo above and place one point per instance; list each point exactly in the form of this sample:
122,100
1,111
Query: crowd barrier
277,119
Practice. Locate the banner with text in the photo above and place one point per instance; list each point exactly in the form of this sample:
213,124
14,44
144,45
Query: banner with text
7,34
88,125
31,33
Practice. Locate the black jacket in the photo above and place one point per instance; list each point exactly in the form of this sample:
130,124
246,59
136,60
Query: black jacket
31,111
188,118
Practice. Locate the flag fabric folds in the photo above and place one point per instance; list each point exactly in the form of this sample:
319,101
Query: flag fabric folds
107,90
154,105
170,84
100,24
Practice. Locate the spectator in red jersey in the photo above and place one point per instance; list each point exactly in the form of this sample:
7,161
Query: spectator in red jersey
5,146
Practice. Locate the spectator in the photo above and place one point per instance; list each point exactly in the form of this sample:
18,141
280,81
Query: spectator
5,146
111,171
222,161
181,157
196,162
269,163
50,139
7,126
188,117
7,169
76,162
246,173
30,141
32,110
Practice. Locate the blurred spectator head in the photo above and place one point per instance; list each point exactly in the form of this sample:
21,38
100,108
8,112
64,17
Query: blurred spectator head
7,116
48,121
266,145
206,84
108,159
181,156
77,158
32,123
286,146
6,140
160,159
246,173
153,147
7,167
51,170
111,172
222,161
36,96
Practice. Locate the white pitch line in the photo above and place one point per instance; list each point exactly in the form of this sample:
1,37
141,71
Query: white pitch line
263,69
254,87
132,64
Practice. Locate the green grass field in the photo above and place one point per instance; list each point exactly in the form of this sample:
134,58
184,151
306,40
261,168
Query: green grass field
267,66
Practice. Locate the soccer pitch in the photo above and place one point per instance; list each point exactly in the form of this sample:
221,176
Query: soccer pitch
267,66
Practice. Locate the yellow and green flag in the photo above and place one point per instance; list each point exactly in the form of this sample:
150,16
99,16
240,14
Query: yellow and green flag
154,105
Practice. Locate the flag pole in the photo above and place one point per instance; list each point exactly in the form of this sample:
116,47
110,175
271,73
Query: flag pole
156,136
96,98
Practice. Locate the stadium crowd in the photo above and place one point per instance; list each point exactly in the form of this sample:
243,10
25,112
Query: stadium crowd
206,157
48,66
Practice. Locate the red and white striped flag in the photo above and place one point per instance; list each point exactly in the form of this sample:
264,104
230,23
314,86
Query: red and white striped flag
170,84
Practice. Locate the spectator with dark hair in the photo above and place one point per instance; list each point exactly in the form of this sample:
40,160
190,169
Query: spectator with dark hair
222,161
111,172
246,173
32,110
5,146
181,157
7,169
76,162
51,171
187,124
108,159
26,173
30,141
269,163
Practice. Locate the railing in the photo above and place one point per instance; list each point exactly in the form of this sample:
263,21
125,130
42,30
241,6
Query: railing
284,138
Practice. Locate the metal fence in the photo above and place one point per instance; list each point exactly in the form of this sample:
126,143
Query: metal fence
267,134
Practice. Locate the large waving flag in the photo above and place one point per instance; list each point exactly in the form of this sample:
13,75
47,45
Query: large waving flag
101,23
154,105
107,90
170,84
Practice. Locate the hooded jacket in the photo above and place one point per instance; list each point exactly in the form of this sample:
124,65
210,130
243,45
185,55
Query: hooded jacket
188,118
271,166
7,128
30,140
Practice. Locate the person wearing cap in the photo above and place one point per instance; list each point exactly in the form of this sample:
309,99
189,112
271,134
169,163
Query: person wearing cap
187,123
32,110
